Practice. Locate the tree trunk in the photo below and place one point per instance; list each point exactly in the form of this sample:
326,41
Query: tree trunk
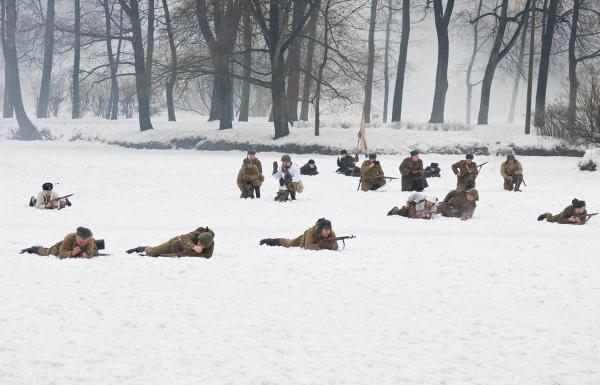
27,131
499,51
308,65
247,70
442,19
518,74
321,70
573,83
141,80
386,76
401,71
469,83
150,49
111,111
370,62
76,89
7,110
170,86
279,109
44,100
542,84
293,60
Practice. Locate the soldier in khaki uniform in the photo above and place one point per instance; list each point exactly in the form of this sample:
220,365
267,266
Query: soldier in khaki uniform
249,180
318,237
512,172
459,204
372,176
413,174
79,244
575,214
255,161
198,243
466,172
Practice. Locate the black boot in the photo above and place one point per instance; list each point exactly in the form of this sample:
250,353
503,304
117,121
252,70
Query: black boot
139,249
32,202
31,250
394,211
269,241
67,202
544,216
257,191
293,195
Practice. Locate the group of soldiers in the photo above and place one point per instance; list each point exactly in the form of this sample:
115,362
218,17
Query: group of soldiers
458,203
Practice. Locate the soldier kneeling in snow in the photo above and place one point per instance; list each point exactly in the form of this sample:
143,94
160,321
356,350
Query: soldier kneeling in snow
417,206
459,204
79,244
309,168
289,179
318,237
575,214
198,243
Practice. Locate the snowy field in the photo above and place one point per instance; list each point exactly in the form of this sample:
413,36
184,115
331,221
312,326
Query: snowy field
501,299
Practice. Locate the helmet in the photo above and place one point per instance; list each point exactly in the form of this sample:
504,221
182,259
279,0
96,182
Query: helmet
286,158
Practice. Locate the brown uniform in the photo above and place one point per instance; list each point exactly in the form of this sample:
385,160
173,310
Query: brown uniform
456,205
465,174
512,174
371,177
64,248
413,175
568,212
258,165
182,245
312,240
248,178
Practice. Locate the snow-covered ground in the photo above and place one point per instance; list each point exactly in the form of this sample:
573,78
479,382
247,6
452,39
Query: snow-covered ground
192,131
501,299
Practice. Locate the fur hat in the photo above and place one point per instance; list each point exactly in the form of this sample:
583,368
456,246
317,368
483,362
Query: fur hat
510,157
323,223
343,152
47,186
414,152
577,203
83,232
311,161
251,152
372,155
469,156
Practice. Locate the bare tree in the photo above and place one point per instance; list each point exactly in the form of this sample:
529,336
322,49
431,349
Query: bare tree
499,50
7,109
519,72
293,61
43,101
370,62
442,20
401,70
142,82
308,64
476,47
386,76
27,131
247,71
76,87
322,67
542,84
170,86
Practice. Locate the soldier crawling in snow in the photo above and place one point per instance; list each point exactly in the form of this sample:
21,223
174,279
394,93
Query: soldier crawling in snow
249,180
417,206
48,199
575,214
459,204
318,237
198,243
79,244
289,179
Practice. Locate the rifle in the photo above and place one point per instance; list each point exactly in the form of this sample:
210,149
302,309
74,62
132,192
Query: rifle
373,177
63,197
590,215
481,165
343,239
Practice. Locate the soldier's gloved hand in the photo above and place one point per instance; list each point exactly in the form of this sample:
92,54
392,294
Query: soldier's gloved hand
325,244
281,182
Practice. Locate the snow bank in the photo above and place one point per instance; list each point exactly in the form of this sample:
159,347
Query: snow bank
194,132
